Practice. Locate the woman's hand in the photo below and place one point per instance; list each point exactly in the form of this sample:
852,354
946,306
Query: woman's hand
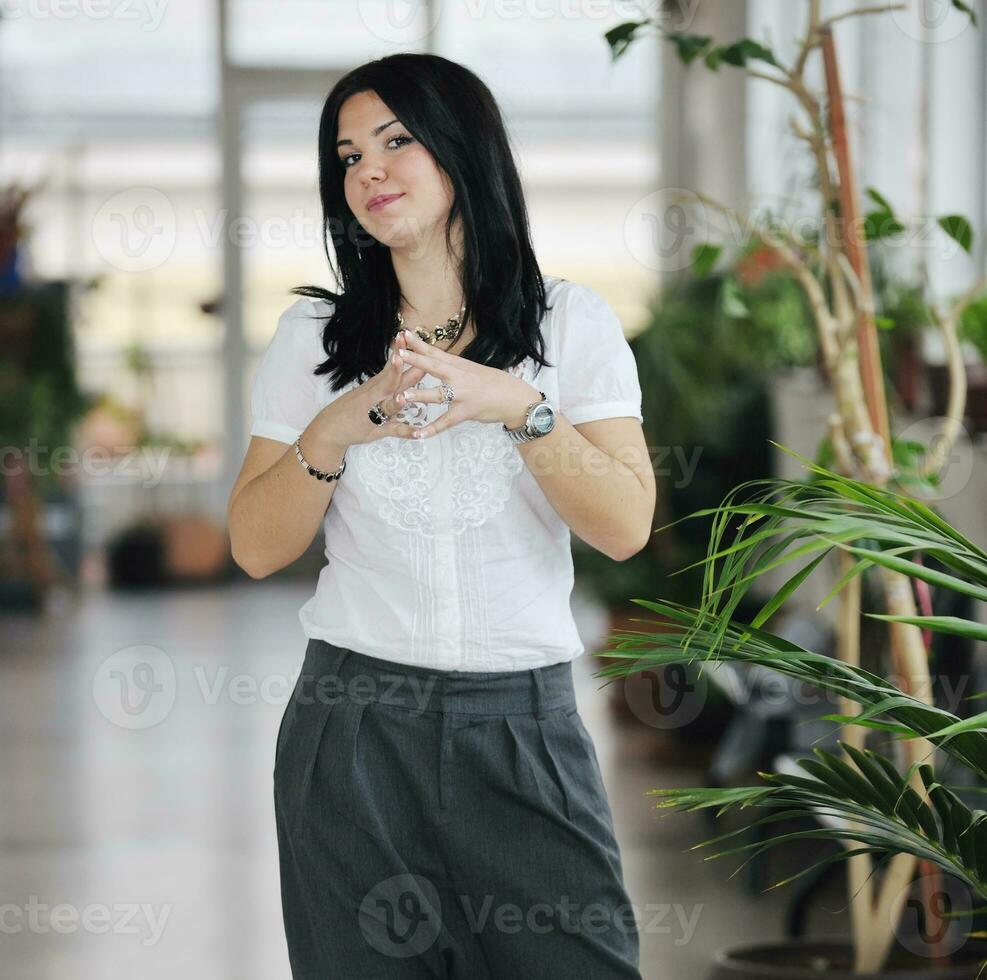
482,393
346,421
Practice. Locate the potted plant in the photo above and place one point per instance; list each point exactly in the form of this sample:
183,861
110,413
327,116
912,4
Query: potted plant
861,800
40,402
831,268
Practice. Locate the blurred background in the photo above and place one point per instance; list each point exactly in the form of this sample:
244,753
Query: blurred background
158,181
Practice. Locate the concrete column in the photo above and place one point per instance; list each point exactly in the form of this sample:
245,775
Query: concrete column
702,113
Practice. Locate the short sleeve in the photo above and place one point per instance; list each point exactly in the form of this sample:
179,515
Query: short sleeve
285,396
597,371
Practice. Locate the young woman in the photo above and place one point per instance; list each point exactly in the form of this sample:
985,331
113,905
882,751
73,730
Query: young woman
440,810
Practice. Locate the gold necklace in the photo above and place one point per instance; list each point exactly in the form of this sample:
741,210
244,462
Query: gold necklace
451,330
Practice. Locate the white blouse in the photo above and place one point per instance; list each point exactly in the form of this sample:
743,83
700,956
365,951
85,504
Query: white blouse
445,552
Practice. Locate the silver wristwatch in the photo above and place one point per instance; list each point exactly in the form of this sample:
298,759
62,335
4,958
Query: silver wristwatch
539,421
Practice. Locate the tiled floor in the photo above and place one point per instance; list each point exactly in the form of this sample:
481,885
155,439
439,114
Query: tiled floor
157,840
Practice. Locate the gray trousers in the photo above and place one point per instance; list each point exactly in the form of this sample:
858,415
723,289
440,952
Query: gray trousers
445,824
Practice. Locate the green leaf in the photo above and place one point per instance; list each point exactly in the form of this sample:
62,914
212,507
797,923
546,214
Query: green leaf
939,624
914,570
857,568
884,322
781,596
689,46
959,229
974,723
744,50
704,257
880,726
620,37
891,790
732,303
966,9
881,224
882,202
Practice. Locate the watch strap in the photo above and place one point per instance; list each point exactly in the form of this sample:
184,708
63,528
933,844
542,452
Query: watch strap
522,433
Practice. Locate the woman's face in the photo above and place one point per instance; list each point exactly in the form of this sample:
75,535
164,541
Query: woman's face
385,162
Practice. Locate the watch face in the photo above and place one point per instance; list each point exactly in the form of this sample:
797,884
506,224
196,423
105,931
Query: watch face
542,419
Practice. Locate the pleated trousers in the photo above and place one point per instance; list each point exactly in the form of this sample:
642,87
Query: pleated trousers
439,823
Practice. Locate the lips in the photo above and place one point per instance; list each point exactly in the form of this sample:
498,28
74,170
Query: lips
383,200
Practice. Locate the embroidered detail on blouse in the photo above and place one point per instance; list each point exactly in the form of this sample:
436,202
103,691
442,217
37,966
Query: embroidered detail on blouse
396,474
402,477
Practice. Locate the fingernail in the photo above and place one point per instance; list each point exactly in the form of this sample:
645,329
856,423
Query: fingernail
407,393
403,353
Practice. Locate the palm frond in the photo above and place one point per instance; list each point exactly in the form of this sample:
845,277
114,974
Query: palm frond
860,797
869,803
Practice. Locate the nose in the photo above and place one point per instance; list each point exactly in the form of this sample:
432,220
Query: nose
372,171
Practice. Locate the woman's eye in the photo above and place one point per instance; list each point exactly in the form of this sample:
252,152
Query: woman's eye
403,139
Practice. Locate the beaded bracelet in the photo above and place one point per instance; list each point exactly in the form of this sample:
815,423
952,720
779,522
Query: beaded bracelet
318,474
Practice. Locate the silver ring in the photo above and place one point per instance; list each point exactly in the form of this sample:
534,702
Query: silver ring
448,393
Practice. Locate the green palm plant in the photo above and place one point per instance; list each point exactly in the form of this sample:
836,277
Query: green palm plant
831,267
874,809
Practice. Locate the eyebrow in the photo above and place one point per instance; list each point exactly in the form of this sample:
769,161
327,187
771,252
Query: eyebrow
373,132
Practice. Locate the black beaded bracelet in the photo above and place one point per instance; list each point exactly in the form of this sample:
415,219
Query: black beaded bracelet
318,474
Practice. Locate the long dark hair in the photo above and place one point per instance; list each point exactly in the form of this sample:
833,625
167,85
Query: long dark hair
452,113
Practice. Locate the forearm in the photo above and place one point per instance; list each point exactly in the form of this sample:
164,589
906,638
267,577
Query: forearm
273,519
601,499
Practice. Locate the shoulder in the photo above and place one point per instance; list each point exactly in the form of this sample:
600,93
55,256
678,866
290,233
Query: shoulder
558,291
305,310
580,312
300,325
566,295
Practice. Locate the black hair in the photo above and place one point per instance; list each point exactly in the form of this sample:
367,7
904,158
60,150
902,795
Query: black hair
452,113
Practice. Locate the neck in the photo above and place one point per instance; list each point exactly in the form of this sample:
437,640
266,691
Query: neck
431,288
